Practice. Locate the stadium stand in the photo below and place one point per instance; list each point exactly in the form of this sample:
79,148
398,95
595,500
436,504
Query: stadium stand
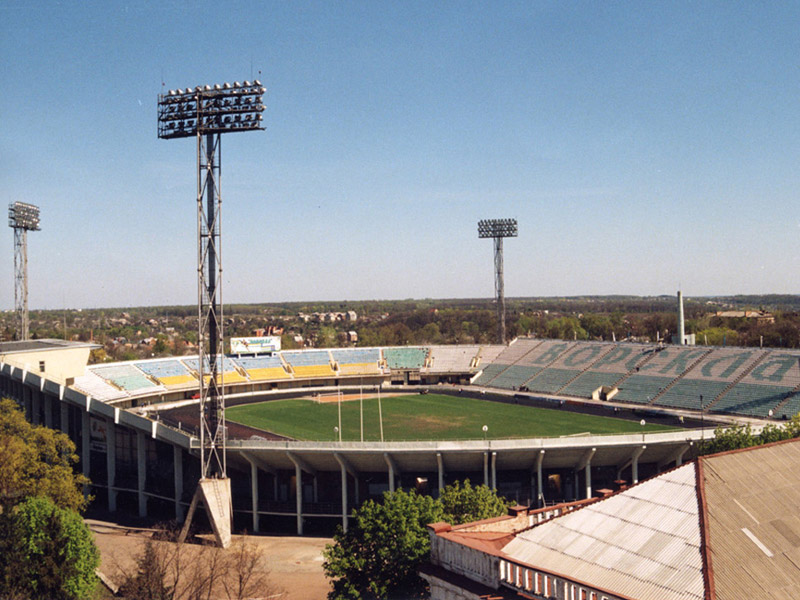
357,361
566,367
309,363
97,387
450,359
608,369
125,377
790,408
710,377
770,382
403,358
229,372
488,354
654,376
263,368
170,372
488,374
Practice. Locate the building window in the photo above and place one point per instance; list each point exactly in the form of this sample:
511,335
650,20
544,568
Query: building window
41,366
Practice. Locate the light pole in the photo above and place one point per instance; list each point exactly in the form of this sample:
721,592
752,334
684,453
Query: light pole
498,229
205,113
22,218
485,429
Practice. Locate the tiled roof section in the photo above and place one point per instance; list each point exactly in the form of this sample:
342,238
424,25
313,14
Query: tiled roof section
753,500
643,543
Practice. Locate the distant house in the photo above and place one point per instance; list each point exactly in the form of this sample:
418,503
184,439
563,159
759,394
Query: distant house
758,315
723,527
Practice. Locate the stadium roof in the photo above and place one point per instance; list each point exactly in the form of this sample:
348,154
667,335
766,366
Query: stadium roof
39,345
724,527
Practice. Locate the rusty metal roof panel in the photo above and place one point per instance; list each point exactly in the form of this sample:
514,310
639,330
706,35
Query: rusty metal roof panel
643,542
753,507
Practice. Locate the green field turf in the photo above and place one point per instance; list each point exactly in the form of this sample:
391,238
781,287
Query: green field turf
424,417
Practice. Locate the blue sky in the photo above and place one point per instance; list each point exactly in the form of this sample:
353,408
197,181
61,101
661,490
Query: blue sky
641,146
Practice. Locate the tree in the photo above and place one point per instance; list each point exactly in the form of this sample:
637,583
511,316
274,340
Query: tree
742,436
379,554
36,461
181,571
46,552
465,503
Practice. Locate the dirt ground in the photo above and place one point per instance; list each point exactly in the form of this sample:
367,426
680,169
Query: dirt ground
295,563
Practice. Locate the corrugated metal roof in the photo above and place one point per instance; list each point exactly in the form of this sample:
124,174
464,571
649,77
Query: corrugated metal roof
753,508
643,543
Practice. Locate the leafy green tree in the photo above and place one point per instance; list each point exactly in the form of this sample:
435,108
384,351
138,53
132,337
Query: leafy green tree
465,503
46,553
387,542
742,436
379,554
36,461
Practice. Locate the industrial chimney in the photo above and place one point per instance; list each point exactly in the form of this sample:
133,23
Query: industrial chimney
681,324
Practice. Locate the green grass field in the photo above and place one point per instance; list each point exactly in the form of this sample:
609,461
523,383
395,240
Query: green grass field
424,417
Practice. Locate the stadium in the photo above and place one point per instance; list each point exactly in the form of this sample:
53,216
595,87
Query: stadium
612,413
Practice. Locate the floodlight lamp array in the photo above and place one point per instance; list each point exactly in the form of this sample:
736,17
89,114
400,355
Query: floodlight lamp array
23,216
211,109
495,228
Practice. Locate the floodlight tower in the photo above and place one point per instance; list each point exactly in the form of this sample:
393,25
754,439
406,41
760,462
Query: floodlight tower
498,229
205,113
22,218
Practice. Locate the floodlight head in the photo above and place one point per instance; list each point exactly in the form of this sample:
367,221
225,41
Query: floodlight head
23,216
208,110
497,228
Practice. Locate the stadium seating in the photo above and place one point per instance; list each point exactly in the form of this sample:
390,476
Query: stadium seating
709,378
263,368
405,358
488,374
516,350
488,354
227,367
452,359
545,353
309,363
97,387
791,408
357,361
550,380
641,389
514,377
126,377
170,372
567,366
751,399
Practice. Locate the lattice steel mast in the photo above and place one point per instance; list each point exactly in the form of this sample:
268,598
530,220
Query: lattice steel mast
22,218
206,112
498,229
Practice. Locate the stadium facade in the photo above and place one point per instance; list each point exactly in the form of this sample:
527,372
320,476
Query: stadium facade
127,420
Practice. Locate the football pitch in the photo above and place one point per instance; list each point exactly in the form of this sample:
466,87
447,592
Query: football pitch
423,417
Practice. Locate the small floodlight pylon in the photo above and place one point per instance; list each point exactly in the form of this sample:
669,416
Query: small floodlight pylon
205,113
498,229
22,218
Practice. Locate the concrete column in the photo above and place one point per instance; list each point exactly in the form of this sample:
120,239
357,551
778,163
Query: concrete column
65,417
440,464
111,465
316,489
343,468
486,468
298,475
393,470
141,471
48,409
254,494
177,467
539,487
494,470
36,406
588,480
635,463
275,487
86,437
